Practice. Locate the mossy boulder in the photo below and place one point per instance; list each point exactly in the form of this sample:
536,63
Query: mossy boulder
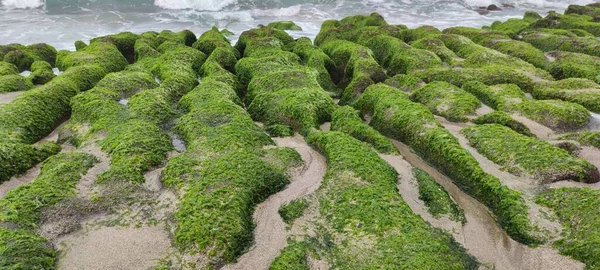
447,100
412,123
556,114
346,119
43,52
591,138
359,199
103,54
21,59
41,72
436,46
500,97
8,69
502,118
524,155
436,198
124,41
285,25
13,83
16,158
406,83
575,65
569,21
580,91
576,209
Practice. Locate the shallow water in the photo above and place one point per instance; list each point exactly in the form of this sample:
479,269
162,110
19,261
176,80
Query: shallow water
62,22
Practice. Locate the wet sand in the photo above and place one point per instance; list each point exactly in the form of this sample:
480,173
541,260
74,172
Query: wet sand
10,96
115,248
482,236
539,130
270,234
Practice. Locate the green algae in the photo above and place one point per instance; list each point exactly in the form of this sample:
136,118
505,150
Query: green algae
41,72
292,210
436,198
346,119
580,91
524,155
14,83
577,211
502,118
361,204
396,116
285,25
447,100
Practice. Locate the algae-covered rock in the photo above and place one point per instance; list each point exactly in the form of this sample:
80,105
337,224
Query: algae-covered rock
580,91
21,59
436,46
591,138
501,96
13,83
569,21
80,45
41,72
406,83
8,69
103,54
520,154
124,41
502,118
447,100
575,65
556,114
17,158
576,209
346,119
285,25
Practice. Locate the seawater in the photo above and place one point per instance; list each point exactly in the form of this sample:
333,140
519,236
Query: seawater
62,22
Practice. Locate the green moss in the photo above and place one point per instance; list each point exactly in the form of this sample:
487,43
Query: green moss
396,116
346,119
575,65
556,114
80,45
127,82
21,208
524,155
261,32
501,118
590,10
212,39
134,147
8,69
184,37
285,25
447,100
226,32
17,158
103,54
512,27
489,75
286,78
292,210
283,158
41,72
21,59
564,40
124,41
580,91
58,178
373,19
360,202
293,256
425,31
500,97
569,21
280,131
577,210
406,83
584,137
313,57
13,83
436,198
43,52
436,46
22,249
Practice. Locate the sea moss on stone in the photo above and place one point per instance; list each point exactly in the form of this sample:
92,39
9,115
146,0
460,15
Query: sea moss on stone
412,123
360,202
8,69
502,118
447,100
436,198
524,155
16,158
41,72
346,119
101,53
580,91
13,83
577,211
285,25
575,65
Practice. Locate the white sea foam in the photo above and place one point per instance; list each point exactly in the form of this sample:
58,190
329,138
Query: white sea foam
22,3
209,5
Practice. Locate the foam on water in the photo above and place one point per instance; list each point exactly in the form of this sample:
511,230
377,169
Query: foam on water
211,5
23,3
